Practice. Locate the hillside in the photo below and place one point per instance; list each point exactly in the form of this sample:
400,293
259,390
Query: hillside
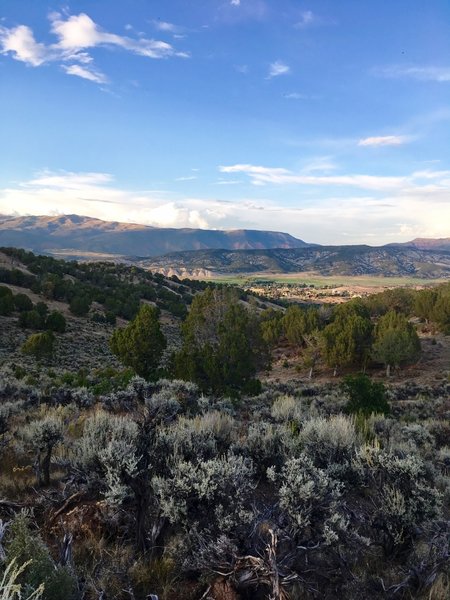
93,298
325,260
73,236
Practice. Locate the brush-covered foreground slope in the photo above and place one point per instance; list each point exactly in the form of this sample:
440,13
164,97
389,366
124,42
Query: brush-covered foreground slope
75,236
325,260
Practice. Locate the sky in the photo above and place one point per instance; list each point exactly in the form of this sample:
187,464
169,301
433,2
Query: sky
329,120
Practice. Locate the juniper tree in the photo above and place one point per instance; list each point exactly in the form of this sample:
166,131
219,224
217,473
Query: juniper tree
396,341
141,344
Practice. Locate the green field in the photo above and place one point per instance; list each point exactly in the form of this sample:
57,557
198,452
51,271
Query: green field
323,280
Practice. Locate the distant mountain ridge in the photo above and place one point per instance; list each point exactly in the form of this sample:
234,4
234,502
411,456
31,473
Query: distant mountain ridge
74,233
388,261
201,252
427,244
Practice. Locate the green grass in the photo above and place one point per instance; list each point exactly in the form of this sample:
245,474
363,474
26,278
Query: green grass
322,280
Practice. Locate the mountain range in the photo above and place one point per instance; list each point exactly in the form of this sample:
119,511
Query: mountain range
200,252
388,261
69,235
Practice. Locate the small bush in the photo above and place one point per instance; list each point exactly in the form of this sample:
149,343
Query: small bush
40,345
56,322
365,396
25,546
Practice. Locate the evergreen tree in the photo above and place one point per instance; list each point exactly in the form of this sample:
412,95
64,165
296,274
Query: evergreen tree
79,306
347,339
299,322
56,322
141,344
6,301
441,309
366,397
31,319
396,341
223,346
22,302
424,302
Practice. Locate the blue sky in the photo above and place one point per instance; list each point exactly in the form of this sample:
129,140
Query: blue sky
329,120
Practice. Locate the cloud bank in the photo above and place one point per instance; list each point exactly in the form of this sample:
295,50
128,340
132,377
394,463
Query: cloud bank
411,206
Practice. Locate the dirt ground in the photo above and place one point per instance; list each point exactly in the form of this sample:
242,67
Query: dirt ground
432,368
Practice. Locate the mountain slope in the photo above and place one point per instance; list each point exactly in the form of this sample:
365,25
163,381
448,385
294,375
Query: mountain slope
326,260
428,244
75,234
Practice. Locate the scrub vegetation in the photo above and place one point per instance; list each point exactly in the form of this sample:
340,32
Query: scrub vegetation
143,450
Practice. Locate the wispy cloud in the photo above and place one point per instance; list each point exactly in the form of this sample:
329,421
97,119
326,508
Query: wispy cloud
260,175
384,140
235,2
85,73
298,96
243,69
187,178
166,26
76,34
278,68
306,19
440,74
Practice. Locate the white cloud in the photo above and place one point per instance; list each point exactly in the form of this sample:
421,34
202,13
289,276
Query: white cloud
420,208
306,18
75,35
278,68
96,195
420,73
85,73
235,2
20,43
384,140
80,31
166,26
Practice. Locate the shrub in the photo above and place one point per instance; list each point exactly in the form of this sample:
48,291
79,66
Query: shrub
39,345
99,432
310,499
31,319
44,435
22,302
366,397
287,408
201,493
56,322
329,441
79,306
6,304
403,496
25,546
10,589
